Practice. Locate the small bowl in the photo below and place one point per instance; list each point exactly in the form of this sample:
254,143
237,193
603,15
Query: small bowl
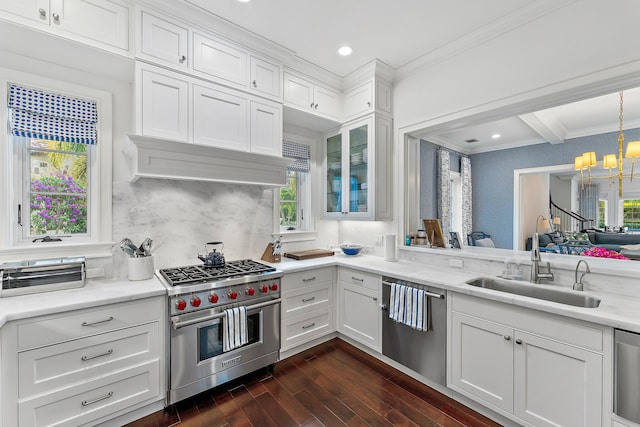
351,248
335,165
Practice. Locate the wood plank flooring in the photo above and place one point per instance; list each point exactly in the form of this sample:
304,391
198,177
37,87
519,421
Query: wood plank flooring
333,384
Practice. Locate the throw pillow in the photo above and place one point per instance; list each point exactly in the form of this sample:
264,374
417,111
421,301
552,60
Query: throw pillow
485,243
630,247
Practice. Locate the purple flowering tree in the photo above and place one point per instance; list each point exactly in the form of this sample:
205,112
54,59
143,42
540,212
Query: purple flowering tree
58,203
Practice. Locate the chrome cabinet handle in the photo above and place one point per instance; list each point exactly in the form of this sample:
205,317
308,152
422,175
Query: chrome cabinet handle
56,18
182,59
91,402
383,307
109,319
357,279
518,341
43,13
368,104
507,338
312,104
85,358
375,298
316,107
309,326
309,279
254,83
308,299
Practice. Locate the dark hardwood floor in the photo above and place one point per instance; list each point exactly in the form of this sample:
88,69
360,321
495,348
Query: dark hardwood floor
333,384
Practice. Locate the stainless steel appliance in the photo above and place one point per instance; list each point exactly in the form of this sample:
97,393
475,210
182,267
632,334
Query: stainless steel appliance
627,375
198,296
421,351
33,276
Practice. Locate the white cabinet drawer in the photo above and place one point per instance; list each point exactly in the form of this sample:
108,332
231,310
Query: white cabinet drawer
307,327
307,278
355,277
61,365
82,323
89,401
305,299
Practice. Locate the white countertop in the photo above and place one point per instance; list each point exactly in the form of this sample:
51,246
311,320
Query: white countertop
618,311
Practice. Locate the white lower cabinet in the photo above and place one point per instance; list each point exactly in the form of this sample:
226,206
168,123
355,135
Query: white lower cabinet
307,306
538,369
83,367
359,313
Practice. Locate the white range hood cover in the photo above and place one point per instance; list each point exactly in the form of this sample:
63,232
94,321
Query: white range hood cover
161,158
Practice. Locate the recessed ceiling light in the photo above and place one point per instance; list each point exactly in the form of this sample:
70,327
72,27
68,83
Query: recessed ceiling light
496,136
244,1
345,51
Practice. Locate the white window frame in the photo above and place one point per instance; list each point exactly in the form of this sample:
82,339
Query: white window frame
304,192
99,242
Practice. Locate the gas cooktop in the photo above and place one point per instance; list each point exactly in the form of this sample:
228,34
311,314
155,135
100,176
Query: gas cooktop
192,274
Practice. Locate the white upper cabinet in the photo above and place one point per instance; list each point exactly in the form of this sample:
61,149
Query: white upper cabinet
265,77
358,100
266,128
220,119
311,97
219,60
101,23
163,41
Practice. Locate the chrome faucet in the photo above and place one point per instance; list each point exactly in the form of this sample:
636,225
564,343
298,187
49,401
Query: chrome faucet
537,273
577,284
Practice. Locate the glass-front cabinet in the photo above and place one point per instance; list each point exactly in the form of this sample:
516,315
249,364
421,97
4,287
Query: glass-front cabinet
349,178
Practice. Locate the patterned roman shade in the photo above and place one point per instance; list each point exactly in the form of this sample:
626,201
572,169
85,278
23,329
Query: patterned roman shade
300,153
39,114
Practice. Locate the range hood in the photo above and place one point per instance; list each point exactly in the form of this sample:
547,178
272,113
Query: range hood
162,158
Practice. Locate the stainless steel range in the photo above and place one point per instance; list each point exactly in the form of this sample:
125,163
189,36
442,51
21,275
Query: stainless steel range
198,298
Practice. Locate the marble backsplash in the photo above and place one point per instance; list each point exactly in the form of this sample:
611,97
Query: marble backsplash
181,216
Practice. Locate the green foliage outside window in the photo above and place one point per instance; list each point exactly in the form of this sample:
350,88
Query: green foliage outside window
289,202
602,221
631,214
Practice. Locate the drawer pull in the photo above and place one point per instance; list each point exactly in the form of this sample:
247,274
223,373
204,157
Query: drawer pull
43,13
109,319
96,400
308,299
357,279
182,59
507,337
518,341
85,358
309,326
310,279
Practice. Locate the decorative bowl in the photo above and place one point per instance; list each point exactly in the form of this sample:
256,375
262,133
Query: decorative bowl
335,165
351,248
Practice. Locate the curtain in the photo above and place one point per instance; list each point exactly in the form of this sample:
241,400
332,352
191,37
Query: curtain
39,114
300,153
589,200
444,190
465,177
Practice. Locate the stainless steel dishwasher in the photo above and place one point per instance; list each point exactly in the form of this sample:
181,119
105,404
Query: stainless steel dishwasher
421,351
627,375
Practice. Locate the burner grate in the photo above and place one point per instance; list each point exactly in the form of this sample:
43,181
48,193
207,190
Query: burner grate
200,273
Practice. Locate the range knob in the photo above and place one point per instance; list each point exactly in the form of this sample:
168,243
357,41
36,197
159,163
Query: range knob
250,291
181,304
274,286
213,298
233,295
195,301
264,289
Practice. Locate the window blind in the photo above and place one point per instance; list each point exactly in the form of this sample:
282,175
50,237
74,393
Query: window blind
39,114
300,153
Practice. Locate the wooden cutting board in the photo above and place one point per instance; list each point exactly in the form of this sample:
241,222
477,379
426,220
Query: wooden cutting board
309,253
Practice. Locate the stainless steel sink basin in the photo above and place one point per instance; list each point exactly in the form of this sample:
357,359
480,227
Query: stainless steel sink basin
535,291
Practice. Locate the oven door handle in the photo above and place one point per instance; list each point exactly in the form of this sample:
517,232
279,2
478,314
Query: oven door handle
177,324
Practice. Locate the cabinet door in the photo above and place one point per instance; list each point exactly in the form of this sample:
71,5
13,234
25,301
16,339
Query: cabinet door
165,105
220,119
359,314
358,173
482,360
298,92
265,77
33,10
102,21
358,101
266,128
333,183
555,383
164,41
219,60
326,101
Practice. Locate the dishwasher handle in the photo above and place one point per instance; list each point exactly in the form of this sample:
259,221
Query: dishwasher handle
427,293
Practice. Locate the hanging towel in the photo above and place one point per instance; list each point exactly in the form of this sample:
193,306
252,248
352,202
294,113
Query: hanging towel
408,306
235,328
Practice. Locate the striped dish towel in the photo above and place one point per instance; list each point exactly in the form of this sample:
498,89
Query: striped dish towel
235,328
407,305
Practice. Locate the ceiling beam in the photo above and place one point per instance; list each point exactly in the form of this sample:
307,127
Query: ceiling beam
551,130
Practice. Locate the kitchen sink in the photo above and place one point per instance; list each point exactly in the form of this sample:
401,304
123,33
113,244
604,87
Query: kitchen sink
535,291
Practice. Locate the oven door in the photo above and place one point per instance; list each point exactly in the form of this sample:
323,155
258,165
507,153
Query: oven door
198,362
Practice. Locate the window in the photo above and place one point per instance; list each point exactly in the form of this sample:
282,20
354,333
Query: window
294,199
631,214
56,152
602,213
